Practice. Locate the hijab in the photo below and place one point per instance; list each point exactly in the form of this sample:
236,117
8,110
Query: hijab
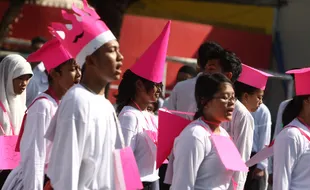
11,67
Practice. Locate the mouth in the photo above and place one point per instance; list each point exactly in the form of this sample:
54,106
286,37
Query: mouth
230,111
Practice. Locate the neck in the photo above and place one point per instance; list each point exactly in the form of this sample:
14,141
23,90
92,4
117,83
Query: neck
305,117
93,86
213,124
59,92
141,105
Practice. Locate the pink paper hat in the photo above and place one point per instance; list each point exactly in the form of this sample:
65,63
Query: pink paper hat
86,34
302,78
253,77
52,54
151,64
169,127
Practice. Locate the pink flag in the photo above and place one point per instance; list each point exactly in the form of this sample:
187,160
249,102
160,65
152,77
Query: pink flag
9,159
169,127
228,153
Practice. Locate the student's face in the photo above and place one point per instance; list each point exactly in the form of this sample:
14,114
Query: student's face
107,62
69,75
213,66
149,96
221,107
20,83
253,101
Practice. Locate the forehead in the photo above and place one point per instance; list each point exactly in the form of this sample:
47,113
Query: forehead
226,88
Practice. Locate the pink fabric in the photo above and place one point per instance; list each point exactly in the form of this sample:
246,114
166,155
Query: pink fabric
302,78
253,77
52,54
127,172
169,127
84,29
151,64
9,159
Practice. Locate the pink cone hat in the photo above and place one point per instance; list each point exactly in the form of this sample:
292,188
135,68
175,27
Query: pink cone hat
253,77
52,54
86,34
151,64
302,78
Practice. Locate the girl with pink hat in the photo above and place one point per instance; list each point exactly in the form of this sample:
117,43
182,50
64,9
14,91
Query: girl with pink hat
63,72
291,148
141,85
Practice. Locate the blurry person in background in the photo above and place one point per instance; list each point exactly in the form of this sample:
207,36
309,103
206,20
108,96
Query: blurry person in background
184,73
39,81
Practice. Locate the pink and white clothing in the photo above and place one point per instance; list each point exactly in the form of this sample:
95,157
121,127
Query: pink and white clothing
196,163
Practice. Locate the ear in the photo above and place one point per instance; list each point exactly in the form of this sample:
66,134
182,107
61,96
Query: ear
140,86
54,74
245,97
228,75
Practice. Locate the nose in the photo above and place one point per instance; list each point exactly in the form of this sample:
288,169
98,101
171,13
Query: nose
120,56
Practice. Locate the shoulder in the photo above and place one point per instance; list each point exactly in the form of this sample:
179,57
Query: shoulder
195,131
185,84
42,104
241,111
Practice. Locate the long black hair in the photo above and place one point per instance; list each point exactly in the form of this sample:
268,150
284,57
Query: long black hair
207,86
242,88
293,109
127,89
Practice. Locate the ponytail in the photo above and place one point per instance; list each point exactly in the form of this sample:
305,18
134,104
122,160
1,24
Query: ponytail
293,109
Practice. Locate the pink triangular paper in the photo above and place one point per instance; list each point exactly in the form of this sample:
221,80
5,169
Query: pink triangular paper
169,127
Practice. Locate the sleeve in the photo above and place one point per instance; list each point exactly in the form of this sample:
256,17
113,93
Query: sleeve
68,147
129,122
34,151
188,155
172,101
264,132
286,149
243,130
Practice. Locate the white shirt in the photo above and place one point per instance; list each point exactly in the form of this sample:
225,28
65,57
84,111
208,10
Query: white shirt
291,159
38,83
182,97
241,129
196,163
34,148
84,134
279,124
262,132
133,122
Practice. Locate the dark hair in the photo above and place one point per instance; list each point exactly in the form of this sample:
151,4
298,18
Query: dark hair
38,39
58,70
231,63
293,109
189,70
127,89
211,82
242,88
208,51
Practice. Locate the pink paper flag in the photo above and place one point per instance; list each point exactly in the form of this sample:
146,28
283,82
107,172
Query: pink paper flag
169,127
228,153
126,169
9,159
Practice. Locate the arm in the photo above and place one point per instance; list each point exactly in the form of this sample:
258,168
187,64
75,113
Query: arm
33,150
264,132
129,122
243,130
172,101
67,151
188,155
285,156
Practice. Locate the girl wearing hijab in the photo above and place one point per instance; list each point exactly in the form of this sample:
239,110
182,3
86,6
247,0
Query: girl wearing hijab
291,169
250,91
63,72
140,86
15,73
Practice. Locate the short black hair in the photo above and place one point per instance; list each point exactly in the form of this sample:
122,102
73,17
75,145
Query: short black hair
231,63
242,88
208,51
38,39
189,70
58,70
